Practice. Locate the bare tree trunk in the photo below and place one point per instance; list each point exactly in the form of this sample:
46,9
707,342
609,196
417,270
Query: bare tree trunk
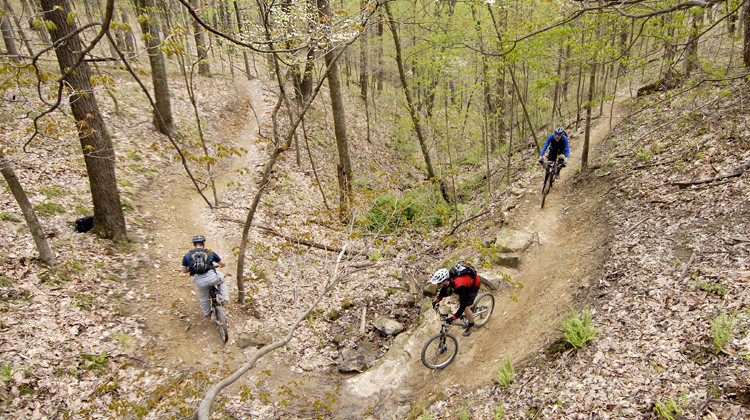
163,113
410,106
200,45
129,38
98,152
37,232
10,43
379,72
585,152
691,50
364,78
746,35
525,113
21,33
344,169
240,31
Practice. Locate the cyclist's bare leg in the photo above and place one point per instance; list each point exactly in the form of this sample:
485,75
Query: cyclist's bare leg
469,315
470,318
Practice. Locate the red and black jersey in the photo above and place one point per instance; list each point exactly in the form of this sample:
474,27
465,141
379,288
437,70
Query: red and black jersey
466,287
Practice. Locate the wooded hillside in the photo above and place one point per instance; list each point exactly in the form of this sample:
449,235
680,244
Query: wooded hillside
336,155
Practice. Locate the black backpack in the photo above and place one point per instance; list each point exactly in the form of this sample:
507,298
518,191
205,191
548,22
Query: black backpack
199,261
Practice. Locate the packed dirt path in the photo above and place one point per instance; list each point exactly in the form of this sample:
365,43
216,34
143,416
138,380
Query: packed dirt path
569,247
178,334
570,244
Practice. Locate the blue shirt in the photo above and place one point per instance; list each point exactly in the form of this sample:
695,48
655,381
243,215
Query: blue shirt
556,145
212,257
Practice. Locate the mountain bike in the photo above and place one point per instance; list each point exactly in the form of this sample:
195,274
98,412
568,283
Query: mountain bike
220,316
440,350
551,171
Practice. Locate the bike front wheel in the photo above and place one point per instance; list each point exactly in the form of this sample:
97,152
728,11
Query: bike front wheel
221,322
482,309
439,351
546,186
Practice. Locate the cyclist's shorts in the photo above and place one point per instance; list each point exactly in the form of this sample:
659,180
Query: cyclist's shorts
468,299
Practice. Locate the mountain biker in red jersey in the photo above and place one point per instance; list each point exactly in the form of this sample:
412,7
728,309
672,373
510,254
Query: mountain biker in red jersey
462,280
557,143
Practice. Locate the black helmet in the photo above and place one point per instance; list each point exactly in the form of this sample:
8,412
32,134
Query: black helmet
199,239
559,131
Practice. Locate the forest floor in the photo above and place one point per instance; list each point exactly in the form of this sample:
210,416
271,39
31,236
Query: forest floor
116,329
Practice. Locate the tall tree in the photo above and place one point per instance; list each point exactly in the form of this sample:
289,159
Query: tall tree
344,168
10,43
21,33
163,120
200,44
37,232
98,152
410,106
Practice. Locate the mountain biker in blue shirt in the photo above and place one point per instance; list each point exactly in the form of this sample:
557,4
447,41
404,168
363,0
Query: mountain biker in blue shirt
204,282
557,143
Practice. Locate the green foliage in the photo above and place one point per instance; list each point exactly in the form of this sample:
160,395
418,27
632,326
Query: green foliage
578,331
83,211
6,371
425,415
97,362
346,304
9,218
127,205
52,192
722,329
644,154
48,208
5,281
388,214
463,413
505,372
499,412
667,410
712,287
84,301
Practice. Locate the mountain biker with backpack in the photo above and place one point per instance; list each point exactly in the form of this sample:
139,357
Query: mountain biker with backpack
557,143
199,262
464,282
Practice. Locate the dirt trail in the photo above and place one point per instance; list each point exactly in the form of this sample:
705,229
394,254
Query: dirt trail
567,254
177,332
565,258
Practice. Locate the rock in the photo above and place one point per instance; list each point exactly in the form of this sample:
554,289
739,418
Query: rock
429,290
245,340
517,191
507,260
494,283
316,361
388,326
356,360
509,240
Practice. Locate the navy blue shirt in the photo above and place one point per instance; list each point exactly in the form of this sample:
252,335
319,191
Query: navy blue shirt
212,257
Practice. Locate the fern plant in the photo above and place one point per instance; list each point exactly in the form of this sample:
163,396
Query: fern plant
578,330
505,373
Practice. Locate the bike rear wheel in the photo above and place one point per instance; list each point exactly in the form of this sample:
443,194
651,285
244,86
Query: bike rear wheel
482,309
221,322
439,351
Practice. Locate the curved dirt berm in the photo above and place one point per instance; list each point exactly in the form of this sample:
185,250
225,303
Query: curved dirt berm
570,244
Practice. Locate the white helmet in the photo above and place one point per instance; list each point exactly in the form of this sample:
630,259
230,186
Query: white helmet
440,276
